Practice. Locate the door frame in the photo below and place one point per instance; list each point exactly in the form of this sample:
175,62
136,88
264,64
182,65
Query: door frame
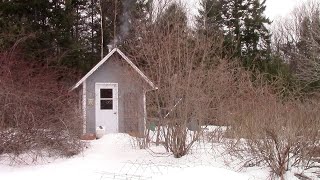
115,96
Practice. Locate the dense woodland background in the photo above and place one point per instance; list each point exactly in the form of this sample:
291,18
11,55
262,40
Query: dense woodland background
232,67
75,34
68,33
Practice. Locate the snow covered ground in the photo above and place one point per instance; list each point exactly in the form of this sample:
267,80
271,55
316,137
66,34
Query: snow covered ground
115,157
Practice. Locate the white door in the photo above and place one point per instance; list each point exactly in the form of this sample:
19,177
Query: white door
107,106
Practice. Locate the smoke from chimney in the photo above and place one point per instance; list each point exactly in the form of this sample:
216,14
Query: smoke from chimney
124,26
125,19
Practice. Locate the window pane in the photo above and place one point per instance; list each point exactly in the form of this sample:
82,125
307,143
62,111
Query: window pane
106,93
106,104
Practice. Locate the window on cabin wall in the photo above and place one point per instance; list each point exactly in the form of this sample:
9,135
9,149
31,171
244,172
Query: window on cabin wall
106,99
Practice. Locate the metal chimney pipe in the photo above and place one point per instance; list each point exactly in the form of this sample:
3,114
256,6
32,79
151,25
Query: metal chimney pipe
110,47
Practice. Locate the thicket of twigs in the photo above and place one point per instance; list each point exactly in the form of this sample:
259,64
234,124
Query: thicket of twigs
197,87
179,64
38,115
265,130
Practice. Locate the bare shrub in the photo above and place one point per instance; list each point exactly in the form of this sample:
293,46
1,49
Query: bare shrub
180,62
38,114
279,134
140,140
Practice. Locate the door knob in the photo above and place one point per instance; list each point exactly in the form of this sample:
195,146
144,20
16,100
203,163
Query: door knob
115,113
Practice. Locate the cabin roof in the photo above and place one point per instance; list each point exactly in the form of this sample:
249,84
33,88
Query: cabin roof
105,59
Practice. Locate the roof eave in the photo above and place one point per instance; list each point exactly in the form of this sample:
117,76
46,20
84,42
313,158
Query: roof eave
104,60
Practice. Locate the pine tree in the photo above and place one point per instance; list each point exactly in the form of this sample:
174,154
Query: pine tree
119,16
53,29
174,18
67,32
256,36
243,25
210,20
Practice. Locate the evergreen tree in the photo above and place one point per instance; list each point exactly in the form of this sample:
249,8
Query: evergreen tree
174,18
118,18
54,27
256,37
67,32
210,18
243,25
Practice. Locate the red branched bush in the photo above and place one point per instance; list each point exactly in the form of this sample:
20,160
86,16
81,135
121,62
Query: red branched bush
37,112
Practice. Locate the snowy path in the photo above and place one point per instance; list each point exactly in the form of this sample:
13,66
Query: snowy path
114,157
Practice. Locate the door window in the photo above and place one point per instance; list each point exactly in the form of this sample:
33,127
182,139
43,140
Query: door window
106,101
106,93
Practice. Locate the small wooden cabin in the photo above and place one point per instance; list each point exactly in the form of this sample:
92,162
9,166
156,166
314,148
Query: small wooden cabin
114,95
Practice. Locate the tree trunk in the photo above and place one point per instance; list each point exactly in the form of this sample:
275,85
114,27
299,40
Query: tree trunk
101,26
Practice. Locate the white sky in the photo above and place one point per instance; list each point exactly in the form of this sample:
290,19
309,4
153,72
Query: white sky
280,8
275,8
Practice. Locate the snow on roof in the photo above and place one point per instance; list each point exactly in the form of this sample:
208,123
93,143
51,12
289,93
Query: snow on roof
105,59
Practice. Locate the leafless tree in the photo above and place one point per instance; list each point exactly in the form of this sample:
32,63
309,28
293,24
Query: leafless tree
297,38
180,62
197,87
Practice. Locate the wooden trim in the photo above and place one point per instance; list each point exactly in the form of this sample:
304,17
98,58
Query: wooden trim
144,109
84,106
